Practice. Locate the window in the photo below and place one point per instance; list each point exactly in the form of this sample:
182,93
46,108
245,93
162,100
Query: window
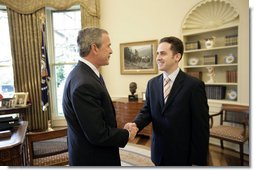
6,82
64,55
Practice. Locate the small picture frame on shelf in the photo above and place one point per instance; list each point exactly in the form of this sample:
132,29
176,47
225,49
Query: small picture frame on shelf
192,45
8,102
21,98
210,59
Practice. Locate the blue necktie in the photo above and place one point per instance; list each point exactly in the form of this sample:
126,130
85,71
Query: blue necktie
101,80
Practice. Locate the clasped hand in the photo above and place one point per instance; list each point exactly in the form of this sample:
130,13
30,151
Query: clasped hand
132,128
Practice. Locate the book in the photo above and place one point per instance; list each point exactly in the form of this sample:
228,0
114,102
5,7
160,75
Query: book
231,76
215,92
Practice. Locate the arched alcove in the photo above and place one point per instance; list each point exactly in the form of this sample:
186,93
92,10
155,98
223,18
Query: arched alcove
210,14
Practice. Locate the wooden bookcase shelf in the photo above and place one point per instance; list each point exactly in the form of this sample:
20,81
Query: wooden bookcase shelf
211,49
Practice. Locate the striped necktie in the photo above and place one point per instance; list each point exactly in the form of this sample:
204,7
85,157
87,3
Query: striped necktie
166,88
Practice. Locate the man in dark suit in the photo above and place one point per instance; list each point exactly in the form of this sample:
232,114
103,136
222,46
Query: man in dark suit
178,112
93,136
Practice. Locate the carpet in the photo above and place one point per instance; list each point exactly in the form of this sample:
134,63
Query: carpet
135,155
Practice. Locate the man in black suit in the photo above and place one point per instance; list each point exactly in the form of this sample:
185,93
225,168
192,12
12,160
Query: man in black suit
93,136
179,113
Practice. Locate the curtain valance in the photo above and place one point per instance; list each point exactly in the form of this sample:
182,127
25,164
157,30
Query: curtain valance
30,6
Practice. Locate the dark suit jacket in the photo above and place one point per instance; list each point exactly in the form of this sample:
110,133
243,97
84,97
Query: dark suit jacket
93,137
181,126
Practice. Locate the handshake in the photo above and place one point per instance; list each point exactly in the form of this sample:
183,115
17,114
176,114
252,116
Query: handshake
132,128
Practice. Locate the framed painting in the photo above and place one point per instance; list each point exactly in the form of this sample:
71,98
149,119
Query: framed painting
139,57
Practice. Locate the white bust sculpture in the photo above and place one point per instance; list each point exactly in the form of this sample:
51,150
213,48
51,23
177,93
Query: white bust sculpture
211,75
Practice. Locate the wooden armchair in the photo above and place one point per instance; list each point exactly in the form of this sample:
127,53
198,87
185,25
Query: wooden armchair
234,121
48,148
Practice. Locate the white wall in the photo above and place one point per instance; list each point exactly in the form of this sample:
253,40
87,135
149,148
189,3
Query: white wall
137,20
140,20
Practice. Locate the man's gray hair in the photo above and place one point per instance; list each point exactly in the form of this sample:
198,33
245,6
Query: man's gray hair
88,36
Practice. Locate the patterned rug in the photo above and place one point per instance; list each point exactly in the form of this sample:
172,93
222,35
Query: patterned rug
135,155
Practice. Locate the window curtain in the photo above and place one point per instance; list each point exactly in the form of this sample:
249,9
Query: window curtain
25,21
25,35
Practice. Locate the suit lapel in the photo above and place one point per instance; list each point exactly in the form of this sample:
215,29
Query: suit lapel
91,72
177,86
161,95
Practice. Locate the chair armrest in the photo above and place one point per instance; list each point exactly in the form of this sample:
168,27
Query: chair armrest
40,136
215,114
245,132
211,116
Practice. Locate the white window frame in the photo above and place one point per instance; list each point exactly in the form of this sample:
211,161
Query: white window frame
56,120
9,66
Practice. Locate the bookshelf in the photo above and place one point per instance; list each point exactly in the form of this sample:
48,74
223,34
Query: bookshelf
211,48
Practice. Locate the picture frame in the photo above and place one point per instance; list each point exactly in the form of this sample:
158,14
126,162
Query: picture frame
21,98
138,57
8,102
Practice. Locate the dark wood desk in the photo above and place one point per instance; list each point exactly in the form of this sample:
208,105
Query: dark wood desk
22,110
126,111
13,150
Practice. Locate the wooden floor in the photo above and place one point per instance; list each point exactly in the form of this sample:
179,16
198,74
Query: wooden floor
217,156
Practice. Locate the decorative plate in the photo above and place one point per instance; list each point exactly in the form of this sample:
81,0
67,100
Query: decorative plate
229,59
193,61
232,94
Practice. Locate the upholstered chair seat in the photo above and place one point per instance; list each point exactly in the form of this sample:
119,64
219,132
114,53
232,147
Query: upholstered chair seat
48,148
233,127
229,132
